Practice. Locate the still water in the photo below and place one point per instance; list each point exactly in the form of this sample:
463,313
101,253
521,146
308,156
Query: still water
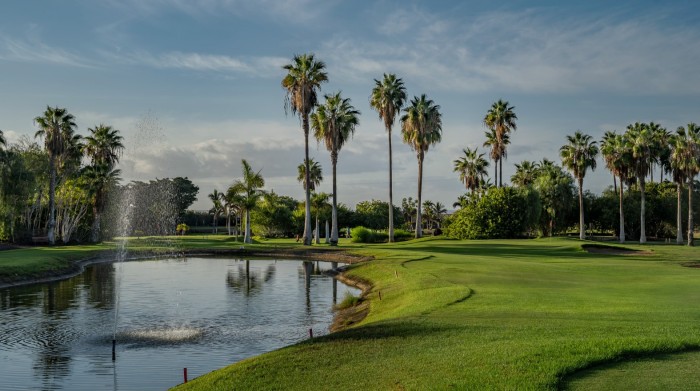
194,313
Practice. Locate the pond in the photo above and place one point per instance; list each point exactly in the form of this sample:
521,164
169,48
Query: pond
195,313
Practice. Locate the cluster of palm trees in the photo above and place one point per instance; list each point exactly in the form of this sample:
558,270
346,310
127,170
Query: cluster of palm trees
334,122
65,148
239,199
472,166
632,155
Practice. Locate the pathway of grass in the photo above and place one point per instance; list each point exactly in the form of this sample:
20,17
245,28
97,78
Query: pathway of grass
489,315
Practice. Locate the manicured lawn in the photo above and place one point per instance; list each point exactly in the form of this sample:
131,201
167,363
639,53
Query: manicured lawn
510,314
491,315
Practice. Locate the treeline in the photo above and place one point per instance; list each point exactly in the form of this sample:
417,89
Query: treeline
67,189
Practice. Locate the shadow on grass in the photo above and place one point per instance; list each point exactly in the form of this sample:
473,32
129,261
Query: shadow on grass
624,357
383,330
501,250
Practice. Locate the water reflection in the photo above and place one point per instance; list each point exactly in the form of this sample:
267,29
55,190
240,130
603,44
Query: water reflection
201,314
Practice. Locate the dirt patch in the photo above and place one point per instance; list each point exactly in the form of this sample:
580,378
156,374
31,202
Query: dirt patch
611,250
693,264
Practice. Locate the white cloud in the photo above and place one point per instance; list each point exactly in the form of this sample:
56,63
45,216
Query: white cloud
36,51
529,51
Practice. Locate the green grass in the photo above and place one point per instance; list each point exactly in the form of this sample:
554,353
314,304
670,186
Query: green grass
496,314
490,315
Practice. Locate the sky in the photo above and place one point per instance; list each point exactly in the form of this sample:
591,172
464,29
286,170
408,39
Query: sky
195,86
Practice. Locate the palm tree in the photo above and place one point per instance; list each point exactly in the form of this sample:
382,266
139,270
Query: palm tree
319,201
304,77
57,127
250,189
578,156
471,168
500,118
525,173
429,213
234,203
439,211
388,97
3,142
643,146
104,147
421,126
685,158
618,157
217,199
334,122
315,174
497,150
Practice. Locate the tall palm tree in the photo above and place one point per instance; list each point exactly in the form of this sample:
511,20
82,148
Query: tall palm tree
235,204
497,152
685,157
618,158
304,77
525,173
500,118
663,156
388,97
319,201
217,198
334,122
104,148
643,146
471,168
250,190
57,127
315,174
578,156
421,126
439,211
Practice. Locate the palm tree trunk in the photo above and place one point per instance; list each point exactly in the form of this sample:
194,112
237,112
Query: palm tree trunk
690,212
581,227
622,212
679,215
615,183
318,232
642,218
52,201
95,231
334,214
419,223
307,207
495,172
500,172
391,195
247,238
328,236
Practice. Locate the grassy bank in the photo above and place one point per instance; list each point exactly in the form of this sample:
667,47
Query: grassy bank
491,315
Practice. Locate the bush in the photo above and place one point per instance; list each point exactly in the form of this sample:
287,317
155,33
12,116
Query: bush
500,213
365,235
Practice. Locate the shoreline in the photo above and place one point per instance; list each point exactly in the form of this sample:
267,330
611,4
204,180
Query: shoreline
78,266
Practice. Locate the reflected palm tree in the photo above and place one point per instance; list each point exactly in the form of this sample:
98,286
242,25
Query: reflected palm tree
242,280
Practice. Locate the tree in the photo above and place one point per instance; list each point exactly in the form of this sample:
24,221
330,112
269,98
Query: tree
618,159
497,150
56,126
185,195
315,174
103,147
685,158
304,77
250,190
234,203
643,144
421,126
500,118
217,199
525,173
319,201
97,179
334,122
388,97
556,189
471,168
3,142
578,156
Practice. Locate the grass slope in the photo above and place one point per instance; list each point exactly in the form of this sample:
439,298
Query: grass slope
489,315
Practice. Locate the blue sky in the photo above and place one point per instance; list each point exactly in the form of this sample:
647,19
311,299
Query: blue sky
194,86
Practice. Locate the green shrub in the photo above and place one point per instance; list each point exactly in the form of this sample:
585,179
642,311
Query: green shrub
401,235
364,235
360,234
500,213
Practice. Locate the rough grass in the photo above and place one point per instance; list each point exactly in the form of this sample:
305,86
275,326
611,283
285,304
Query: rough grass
490,315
